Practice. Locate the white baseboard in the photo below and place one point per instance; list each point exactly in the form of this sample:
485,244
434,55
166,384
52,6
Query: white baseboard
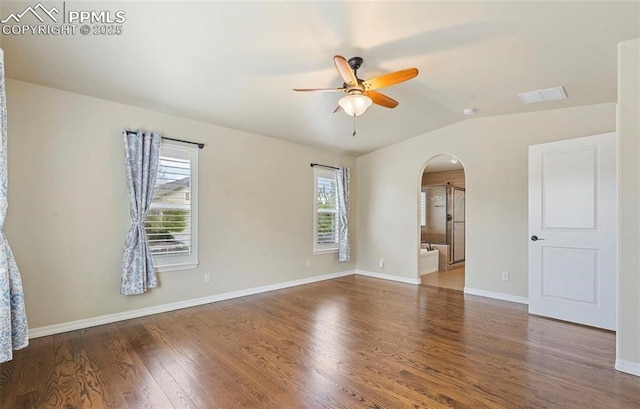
142,312
389,277
629,367
497,296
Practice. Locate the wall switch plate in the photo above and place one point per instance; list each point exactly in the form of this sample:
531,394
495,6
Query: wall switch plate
381,262
505,276
308,263
207,277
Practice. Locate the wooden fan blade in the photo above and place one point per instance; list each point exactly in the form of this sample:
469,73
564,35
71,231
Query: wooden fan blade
320,89
381,99
337,108
345,70
390,79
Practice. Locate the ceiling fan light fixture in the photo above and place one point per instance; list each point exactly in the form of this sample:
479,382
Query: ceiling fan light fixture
355,104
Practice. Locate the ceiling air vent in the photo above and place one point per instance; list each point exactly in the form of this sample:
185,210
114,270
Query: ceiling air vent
543,95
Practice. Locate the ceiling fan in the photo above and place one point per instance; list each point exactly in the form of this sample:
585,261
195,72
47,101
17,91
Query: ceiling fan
361,93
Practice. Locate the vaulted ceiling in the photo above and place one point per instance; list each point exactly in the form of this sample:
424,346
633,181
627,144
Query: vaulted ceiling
235,63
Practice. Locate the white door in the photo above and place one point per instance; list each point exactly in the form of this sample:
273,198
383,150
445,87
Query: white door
573,230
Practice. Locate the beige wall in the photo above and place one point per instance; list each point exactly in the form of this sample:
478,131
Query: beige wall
494,154
68,212
628,338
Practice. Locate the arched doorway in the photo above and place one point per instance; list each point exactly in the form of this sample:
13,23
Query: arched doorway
442,222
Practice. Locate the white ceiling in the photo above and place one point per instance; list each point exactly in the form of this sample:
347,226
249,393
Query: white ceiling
234,63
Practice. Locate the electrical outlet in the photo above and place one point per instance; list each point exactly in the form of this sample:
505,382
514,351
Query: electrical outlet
207,277
308,263
505,276
381,262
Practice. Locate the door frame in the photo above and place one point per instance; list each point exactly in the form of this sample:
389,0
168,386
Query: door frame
466,207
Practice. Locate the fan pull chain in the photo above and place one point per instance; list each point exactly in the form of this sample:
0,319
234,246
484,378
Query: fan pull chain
354,125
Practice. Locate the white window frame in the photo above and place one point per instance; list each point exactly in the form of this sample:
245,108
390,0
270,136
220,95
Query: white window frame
172,262
322,248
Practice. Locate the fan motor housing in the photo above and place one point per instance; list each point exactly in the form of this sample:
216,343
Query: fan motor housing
355,63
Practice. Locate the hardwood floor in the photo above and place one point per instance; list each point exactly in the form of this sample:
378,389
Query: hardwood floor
353,342
452,279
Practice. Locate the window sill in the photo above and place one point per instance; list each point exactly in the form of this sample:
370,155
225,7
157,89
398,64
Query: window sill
175,267
324,251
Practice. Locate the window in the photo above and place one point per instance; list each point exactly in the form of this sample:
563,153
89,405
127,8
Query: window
325,226
172,222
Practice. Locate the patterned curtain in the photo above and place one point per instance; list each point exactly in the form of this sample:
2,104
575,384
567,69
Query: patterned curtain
344,246
142,155
13,319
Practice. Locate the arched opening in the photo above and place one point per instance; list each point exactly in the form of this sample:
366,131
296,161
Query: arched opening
442,222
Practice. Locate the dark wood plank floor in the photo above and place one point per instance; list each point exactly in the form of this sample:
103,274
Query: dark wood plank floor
353,342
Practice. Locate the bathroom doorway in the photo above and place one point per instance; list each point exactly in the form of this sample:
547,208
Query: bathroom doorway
443,223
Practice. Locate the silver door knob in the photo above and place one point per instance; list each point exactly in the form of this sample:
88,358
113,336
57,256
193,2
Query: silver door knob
535,238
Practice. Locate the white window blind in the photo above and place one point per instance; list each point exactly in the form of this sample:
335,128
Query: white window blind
326,211
171,224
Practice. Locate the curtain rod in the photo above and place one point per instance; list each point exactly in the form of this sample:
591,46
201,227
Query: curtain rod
324,166
200,145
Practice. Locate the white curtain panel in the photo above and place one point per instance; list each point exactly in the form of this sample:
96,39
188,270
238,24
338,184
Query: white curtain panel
344,245
13,319
142,155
